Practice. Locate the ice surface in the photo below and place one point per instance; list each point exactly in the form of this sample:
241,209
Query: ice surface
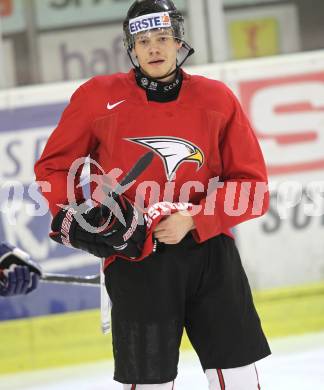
297,363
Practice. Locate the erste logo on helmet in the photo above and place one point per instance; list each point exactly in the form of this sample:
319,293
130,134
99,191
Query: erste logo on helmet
149,21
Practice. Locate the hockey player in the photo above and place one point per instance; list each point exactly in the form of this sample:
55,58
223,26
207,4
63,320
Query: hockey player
194,280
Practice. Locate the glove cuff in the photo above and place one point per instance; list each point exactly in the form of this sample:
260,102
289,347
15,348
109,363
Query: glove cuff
154,215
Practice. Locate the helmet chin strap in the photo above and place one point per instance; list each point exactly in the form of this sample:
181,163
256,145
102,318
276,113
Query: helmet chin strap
190,53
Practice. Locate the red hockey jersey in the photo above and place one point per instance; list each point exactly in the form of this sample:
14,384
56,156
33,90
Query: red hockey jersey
201,136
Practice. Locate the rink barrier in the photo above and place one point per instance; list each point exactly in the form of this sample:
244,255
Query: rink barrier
75,338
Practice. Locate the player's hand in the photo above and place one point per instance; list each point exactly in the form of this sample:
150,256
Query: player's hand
18,280
174,228
126,231
19,274
124,235
74,228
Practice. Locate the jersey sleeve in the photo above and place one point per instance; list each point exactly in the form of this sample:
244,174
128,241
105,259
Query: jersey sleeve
72,139
242,191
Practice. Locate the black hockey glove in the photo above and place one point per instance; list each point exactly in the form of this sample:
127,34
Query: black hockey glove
126,231
73,228
123,235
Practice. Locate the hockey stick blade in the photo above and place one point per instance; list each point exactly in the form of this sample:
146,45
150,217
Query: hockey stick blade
141,164
91,280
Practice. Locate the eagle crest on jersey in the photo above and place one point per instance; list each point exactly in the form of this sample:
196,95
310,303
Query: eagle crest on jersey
173,151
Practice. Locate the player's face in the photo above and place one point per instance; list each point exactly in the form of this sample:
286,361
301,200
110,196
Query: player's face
156,52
